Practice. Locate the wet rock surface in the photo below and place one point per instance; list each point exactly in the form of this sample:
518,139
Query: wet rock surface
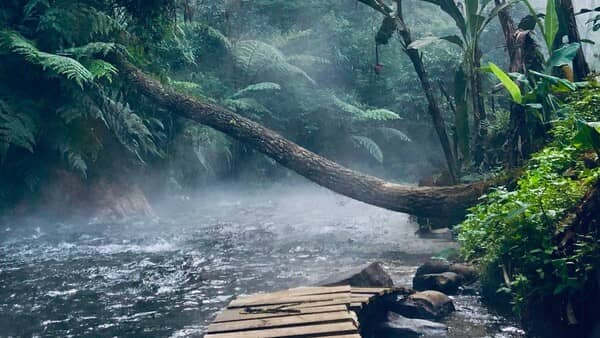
425,305
370,275
446,282
398,326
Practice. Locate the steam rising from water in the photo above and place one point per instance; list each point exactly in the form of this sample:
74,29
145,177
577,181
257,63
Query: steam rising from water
169,277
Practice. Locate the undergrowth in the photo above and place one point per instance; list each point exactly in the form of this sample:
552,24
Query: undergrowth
513,234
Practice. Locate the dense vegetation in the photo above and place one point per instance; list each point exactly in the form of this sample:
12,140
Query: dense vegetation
406,90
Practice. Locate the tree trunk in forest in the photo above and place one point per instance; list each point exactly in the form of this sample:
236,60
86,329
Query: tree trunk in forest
389,26
479,115
517,136
448,202
433,106
568,24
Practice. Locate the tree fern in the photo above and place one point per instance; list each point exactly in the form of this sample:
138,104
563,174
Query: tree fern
73,157
256,58
370,146
64,66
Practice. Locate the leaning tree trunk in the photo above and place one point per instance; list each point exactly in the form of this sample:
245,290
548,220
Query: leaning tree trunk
448,202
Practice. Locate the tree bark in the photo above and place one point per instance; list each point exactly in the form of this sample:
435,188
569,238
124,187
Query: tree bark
448,202
517,133
569,27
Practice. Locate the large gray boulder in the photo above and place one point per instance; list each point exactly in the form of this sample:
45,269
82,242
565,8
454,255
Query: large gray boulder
371,275
446,282
425,305
399,326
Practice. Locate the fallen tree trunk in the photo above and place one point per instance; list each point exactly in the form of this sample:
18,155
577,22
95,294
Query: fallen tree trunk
448,202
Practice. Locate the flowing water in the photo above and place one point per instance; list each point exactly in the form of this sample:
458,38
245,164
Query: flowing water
169,277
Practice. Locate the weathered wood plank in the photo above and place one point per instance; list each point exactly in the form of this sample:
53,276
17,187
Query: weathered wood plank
230,315
306,330
288,299
301,291
319,318
369,290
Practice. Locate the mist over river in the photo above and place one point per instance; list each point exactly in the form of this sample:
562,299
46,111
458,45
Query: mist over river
168,277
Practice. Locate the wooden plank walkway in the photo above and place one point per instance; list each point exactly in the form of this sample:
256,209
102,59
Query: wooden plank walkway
300,312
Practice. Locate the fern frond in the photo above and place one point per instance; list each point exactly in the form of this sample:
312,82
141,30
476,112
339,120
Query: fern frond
255,57
246,104
393,133
15,129
91,49
257,87
61,65
347,107
379,115
73,158
370,146
34,6
101,69
130,129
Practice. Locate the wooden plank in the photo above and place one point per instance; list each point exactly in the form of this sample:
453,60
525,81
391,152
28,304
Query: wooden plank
329,317
307,330
369,290
230,315
301,291
288,299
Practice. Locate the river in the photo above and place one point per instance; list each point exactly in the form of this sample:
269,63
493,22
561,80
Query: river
169,276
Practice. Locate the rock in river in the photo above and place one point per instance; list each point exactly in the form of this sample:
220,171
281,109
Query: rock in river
446,282
467,272
371,275
427,305
433,266
400,326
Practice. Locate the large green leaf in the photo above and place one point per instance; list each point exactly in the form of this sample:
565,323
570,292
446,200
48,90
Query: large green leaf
562,56
589,135
551,24
556,81
508,83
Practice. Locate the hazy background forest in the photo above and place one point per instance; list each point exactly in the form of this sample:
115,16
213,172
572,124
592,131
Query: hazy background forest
303,69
